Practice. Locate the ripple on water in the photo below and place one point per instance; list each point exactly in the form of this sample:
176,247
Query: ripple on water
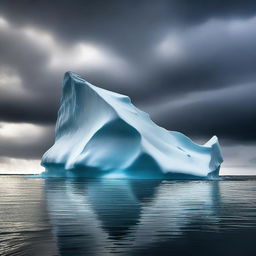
127,217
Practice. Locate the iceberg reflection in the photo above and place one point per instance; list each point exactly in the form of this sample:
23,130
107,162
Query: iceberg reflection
104,216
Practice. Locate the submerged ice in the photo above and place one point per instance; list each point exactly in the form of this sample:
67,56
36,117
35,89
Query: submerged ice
101,133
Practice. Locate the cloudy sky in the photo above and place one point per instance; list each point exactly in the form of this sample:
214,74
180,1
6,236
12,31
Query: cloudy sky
190,64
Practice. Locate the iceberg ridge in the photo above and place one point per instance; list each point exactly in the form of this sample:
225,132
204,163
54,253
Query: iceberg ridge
101,133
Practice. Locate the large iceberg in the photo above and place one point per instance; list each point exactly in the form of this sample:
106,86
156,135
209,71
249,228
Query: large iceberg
100,133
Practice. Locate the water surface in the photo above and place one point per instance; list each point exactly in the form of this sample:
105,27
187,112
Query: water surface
127,217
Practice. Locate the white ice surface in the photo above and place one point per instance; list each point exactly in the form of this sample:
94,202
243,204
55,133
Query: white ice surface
102,133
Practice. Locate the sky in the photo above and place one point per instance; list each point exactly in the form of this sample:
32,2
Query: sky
189,64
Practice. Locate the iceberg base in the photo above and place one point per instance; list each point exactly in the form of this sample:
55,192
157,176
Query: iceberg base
55,170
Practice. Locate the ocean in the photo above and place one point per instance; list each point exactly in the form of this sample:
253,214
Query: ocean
127,217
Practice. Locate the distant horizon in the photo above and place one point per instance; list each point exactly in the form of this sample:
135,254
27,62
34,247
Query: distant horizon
224,172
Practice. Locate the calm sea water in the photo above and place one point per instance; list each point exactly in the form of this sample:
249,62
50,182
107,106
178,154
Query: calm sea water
122,217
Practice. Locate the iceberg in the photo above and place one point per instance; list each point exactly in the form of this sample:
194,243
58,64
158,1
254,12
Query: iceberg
100,133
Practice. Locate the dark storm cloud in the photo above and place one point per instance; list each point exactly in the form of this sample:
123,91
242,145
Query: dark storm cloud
115,20
213,113
28,144
157,52
31,111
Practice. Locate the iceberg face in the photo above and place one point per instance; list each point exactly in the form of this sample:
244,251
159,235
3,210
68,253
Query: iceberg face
101,133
